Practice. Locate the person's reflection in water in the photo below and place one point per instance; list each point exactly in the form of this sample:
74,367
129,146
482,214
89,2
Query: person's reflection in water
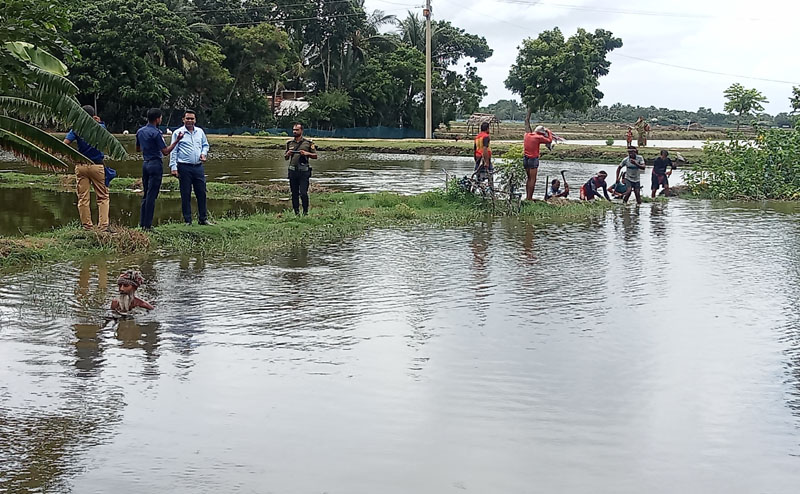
296,261
188,321
481,238
133,335
528,245
658,220
88,349
89,298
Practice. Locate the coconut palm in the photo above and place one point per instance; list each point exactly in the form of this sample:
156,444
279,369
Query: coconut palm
47,95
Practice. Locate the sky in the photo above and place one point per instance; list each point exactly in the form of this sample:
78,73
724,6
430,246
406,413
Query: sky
746,41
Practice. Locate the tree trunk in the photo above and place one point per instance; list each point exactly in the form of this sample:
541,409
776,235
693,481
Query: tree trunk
528,121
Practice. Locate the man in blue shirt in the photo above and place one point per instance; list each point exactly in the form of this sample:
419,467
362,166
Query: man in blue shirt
93,175
150,143
186,163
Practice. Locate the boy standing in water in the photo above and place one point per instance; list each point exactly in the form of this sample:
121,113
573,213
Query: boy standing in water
633,164
128,283
660,174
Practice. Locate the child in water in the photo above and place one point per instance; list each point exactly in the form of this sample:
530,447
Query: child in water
128,282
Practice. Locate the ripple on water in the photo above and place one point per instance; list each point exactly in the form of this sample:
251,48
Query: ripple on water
660,341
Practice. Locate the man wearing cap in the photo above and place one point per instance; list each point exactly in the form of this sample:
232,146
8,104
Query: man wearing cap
186,163
530,160
128,282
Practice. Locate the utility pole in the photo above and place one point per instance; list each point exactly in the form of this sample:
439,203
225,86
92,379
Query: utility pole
428,99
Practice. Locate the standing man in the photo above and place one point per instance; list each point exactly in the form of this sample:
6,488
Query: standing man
150,143
633,164
530,160
660,174
186,163
483,155
298,151
90,175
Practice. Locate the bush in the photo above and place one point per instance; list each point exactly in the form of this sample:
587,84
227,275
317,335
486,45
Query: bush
765,168
610,141
245,133
262,133
509,171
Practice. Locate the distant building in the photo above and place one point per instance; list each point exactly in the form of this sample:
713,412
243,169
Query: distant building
286,95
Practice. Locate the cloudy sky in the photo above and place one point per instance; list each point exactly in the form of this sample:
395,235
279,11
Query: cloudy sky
754,43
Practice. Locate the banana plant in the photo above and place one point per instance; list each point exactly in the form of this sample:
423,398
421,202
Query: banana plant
48,96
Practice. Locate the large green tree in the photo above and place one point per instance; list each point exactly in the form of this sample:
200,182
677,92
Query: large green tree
134,54
454,94
34,89
794,100
743,101
556,74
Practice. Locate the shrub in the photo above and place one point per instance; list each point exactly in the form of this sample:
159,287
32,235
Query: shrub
610,141
245,133
765,168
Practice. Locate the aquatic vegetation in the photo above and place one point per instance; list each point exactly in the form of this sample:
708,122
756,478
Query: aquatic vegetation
766,168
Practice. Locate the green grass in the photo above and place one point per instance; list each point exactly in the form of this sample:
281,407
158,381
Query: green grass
170,187
335,215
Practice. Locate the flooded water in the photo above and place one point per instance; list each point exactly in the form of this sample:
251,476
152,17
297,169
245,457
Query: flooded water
653,145
32,211
655,349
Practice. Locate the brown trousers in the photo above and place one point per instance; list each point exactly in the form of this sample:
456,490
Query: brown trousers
96,176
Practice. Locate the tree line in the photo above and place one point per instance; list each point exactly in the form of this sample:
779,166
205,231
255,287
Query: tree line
226,58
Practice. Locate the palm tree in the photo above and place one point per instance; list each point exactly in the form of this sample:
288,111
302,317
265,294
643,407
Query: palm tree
46,95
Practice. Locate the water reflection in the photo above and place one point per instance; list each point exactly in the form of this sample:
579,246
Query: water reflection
638,342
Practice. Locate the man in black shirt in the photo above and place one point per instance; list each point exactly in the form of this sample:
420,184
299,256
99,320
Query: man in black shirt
660,174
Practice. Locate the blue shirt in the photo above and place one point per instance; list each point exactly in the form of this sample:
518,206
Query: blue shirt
85,149
189,148
151,142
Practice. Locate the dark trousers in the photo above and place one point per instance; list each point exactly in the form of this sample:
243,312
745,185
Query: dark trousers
193,176
298,184
151,184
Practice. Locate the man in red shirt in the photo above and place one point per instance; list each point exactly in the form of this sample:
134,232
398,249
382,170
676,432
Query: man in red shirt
531,144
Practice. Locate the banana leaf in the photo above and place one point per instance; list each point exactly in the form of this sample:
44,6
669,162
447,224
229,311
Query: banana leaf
44,140
31,153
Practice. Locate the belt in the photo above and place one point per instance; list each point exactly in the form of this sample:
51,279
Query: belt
190,164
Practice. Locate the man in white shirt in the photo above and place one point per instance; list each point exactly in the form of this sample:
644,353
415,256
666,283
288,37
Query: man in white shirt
186,163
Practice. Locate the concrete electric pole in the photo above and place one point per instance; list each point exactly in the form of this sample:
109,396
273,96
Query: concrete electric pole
428,100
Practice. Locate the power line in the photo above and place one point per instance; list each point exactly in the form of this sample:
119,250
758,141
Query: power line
274,8
279,20
695,69
611,10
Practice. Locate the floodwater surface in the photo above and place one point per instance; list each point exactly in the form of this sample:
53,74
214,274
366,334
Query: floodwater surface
26,211
652,350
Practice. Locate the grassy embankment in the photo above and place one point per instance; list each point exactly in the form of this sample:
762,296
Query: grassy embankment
235,145
334,215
